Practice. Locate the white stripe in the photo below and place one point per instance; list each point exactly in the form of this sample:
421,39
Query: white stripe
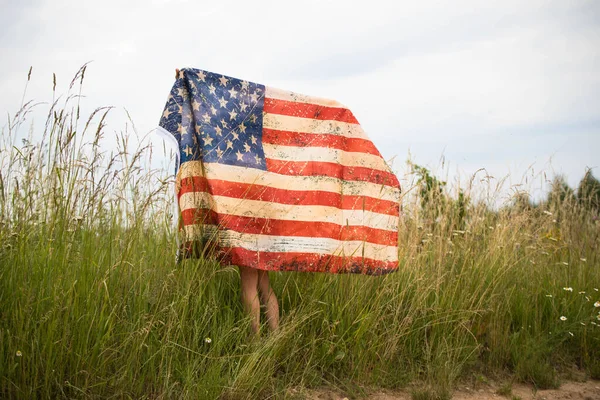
287,212
268,243
287,182
309,125
324,154
280,94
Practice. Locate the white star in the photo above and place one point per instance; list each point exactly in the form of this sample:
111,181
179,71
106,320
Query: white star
242,128
201,75
182,92
188,150
198,129
245,85
219,152
235,135
253,138
218,130
232,92
180,74
206,118
229,145
239,155
232,114
211,89
195,105
253,118
223,102
225,124
223,80
179,108
213,110
257,158
167,113
207,140
246,147
254,97
243,107
180,129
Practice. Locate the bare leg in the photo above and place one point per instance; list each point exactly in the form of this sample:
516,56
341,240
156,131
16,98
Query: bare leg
269,300
249,284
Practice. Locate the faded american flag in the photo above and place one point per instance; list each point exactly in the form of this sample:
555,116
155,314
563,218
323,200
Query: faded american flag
276,180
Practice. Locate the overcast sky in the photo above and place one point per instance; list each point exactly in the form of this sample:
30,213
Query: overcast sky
502,85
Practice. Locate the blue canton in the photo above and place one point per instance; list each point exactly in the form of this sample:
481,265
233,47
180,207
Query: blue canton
216,118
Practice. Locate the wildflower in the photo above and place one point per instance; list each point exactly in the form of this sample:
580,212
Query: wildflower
19,354
547,212
563,318
582,292
77,218
207,340
583,259
598,317
582,323
564,263
571,333
568,289
597,304
545,253
548,295
596,289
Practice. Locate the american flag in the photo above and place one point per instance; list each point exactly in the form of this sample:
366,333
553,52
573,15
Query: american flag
280,181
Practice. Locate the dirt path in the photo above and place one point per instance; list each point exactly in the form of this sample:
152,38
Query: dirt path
589,390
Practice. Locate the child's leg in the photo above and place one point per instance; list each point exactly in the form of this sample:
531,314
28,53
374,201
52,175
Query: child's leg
249,284
269,300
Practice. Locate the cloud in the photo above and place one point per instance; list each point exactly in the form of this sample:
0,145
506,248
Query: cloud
484,82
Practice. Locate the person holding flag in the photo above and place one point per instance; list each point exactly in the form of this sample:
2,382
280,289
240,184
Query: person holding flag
271,180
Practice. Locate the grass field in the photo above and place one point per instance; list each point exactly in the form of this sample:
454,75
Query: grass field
93,304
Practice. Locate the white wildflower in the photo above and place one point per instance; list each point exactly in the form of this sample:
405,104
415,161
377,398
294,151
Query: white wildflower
571,333
19,354
568,289
548,295
563,318
582,292
207,340
547,212
597,304
583,259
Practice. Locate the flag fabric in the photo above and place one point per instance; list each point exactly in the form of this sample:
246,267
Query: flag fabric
275,180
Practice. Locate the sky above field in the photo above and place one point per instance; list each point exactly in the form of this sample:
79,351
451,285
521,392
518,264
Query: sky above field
509,86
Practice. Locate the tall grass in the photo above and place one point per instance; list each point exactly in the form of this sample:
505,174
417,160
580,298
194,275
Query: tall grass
93,305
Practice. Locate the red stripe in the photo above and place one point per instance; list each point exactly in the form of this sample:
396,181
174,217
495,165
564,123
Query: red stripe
286,138
306,110
218,187
305,262
276,227
315,168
